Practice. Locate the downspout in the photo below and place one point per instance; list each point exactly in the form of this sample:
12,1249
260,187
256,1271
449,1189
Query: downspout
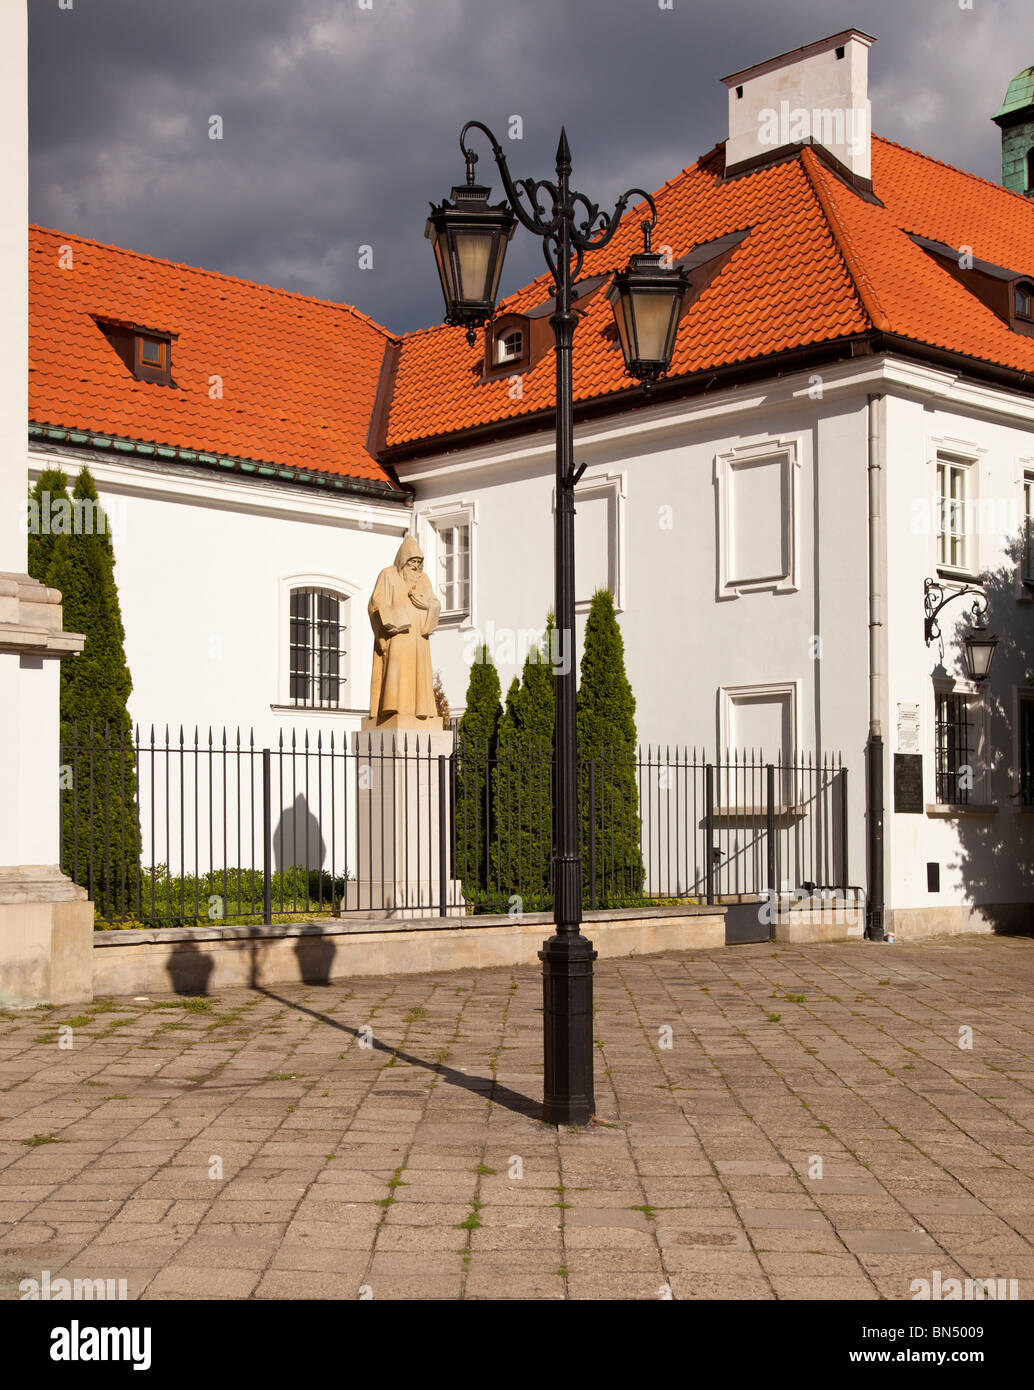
874,748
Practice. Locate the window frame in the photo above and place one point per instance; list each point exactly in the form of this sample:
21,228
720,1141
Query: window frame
345,592
965,456
503,358
431,522
159,374
1023,699
977,747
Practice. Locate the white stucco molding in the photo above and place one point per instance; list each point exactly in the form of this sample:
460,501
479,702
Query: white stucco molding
265,497
731,695
785,453
427,518
614,488
282,627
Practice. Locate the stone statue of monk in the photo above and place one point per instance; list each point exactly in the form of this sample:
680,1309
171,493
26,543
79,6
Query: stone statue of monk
403,613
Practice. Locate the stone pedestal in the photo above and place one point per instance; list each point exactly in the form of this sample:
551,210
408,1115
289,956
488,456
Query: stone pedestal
46,921
46,938
399,820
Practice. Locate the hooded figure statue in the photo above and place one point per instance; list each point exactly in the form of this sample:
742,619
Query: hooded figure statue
403,613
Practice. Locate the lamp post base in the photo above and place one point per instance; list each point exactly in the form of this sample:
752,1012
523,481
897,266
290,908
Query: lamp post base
568,1097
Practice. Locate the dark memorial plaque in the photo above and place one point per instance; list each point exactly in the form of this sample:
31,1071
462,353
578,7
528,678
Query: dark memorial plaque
908,783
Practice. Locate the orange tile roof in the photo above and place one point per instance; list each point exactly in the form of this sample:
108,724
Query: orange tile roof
299,375
821,263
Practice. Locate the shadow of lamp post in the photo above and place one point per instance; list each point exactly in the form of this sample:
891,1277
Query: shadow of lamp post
470,238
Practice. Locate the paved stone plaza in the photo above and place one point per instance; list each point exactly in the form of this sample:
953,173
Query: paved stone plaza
814,1130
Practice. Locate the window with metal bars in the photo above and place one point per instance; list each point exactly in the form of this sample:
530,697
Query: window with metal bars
317,648
953,751
1026,749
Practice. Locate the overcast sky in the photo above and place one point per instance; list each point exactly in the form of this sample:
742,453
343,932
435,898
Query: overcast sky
341,117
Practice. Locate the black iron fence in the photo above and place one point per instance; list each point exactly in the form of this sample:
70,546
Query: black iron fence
191,828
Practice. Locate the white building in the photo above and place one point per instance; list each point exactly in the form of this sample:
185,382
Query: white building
848,415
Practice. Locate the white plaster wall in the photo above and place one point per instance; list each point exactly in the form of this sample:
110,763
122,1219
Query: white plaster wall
985,859
14,277
682,643
201,565
28,684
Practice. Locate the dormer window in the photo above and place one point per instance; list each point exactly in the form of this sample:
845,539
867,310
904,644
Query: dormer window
152,357
510,347
1023,300
146,352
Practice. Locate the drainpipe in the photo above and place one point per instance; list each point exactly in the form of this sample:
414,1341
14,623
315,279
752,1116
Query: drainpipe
874,747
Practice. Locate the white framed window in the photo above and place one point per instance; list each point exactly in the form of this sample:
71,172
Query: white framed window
757,498
454,567
315,656
510,347
449,535
954,504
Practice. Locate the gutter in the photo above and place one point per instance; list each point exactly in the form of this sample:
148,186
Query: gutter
874,753
161,453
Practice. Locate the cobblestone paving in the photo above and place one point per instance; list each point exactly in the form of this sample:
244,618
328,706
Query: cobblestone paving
814,1130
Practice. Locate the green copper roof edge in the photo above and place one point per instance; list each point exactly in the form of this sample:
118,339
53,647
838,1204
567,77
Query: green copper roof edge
369,487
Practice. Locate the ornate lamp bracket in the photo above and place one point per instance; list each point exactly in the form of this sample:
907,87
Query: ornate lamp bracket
937,594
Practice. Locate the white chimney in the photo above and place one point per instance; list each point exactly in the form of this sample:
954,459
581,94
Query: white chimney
817,94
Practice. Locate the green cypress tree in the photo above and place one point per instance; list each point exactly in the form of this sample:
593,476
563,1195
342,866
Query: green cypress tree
607,741
476,739
522,845
100,825
50,507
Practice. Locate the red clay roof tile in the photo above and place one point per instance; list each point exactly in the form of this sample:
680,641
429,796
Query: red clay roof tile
820,263
299,375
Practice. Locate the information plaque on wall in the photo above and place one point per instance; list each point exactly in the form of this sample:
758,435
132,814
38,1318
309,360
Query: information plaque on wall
908,783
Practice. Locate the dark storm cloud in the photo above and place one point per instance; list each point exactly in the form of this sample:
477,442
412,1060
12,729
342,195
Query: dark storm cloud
340,123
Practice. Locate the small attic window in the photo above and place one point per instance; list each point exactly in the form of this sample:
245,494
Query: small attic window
1023,300
152,352
152,357
840,51
510,346
145,352
739,93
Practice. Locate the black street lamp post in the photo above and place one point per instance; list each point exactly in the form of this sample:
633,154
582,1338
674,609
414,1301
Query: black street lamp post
470,240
